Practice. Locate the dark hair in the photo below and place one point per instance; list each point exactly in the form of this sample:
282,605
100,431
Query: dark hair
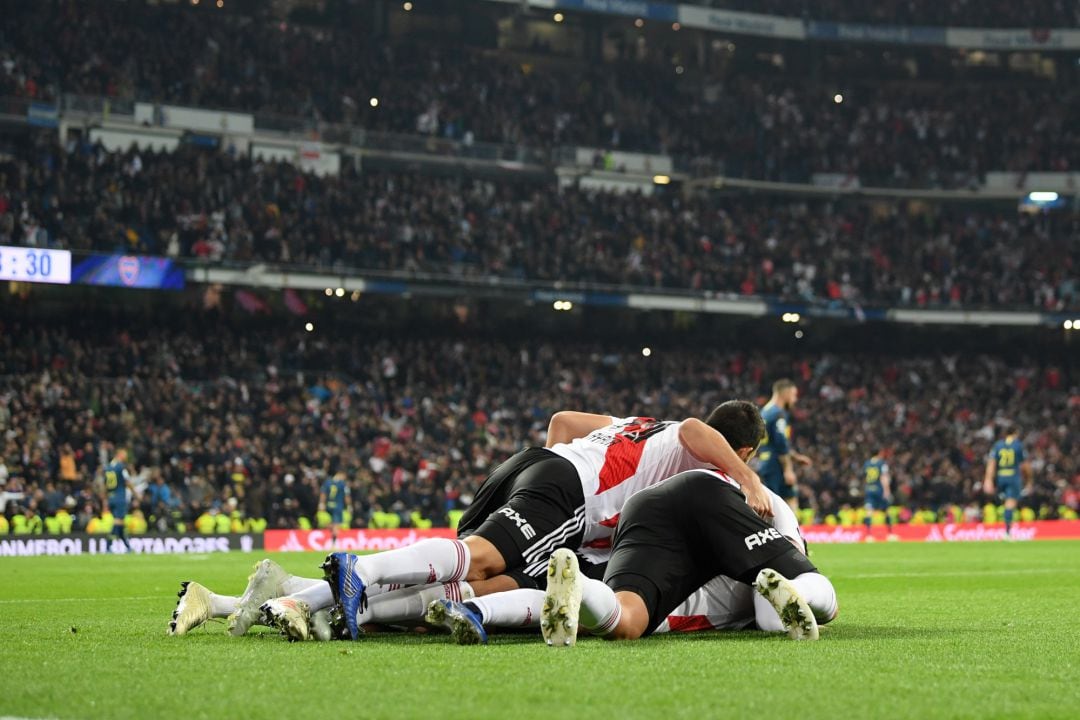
739,422
781,385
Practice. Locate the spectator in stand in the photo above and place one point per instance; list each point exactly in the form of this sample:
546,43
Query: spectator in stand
815,251
415,443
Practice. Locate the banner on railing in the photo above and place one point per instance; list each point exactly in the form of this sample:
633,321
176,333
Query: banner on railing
156,544
945,532
350,540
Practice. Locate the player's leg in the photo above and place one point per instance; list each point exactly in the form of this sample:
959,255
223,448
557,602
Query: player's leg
868,518
119,530
545,509
815,588
648,574
196,605
1011,490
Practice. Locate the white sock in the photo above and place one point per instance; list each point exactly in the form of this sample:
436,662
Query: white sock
410,604
317,596
436,560
600,611
820,595
815,589
223,605
295,583
376,589
765,616
511,609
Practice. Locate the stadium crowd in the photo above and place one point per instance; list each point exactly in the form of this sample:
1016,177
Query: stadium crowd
244,421
216,207
954,13
777,128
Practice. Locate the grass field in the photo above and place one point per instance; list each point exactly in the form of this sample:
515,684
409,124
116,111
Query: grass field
938,630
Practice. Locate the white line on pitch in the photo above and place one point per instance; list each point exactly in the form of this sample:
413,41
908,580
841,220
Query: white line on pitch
959,573
93,599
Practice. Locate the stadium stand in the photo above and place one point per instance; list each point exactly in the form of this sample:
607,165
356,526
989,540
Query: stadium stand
771,125
239,419
215,207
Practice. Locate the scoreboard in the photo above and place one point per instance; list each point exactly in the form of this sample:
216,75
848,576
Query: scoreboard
35,265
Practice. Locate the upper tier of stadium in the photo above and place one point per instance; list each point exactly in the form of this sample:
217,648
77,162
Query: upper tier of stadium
914,118
959,13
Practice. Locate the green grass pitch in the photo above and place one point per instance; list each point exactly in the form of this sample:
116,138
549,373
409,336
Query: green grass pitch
925,631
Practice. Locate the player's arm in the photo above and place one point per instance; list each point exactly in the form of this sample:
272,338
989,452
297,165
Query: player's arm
801,459
886,484
709,446
567,425
1027,474
988,478
789,468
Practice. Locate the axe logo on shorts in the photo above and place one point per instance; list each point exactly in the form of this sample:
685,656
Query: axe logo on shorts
758,539
522,524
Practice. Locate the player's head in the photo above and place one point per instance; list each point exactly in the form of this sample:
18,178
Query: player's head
741,425
1009,430
121,455
785,392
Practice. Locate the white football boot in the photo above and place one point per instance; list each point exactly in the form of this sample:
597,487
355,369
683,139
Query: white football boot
562,600
794,612
264,584
291,617
192,609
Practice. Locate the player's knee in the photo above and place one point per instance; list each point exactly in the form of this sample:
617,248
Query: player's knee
485,560
633,617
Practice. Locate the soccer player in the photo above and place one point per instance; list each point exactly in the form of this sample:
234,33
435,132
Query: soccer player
672,539
776,456
878,491
116,485
1004,466
335,497
568,494
721,604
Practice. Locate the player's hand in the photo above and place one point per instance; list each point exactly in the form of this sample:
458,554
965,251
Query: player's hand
789,477
988,488
803,460
757,497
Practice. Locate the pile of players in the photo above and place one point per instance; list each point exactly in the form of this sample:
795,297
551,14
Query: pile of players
622,527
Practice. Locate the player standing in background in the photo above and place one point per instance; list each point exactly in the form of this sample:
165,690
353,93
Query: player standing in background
878,492
777,459
335,497
116,483
1004,466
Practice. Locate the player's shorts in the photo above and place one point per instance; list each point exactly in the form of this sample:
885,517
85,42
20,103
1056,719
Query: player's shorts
875,500
118,511
337,515
528,507
674,537
1009,488
775,482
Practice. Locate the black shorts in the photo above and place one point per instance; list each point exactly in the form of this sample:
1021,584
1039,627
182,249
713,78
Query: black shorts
528,507
674,537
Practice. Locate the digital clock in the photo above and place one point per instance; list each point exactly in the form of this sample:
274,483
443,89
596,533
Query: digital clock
36,265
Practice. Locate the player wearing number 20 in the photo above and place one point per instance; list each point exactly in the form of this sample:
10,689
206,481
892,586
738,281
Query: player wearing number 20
1004,466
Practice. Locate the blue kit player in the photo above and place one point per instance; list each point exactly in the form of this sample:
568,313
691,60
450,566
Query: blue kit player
775,455
878,490
335,497
116,484
1004,466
